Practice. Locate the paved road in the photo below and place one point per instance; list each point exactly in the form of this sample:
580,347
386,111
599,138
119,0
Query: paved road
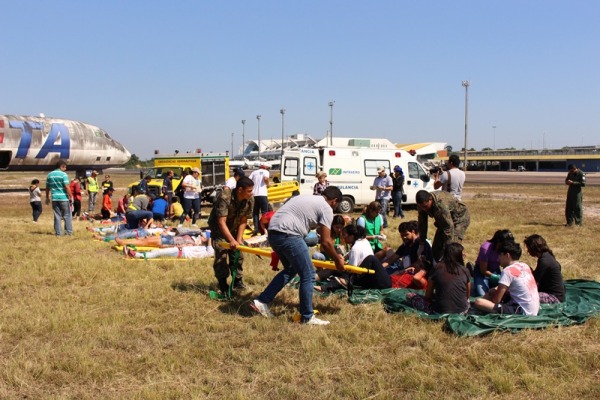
555,178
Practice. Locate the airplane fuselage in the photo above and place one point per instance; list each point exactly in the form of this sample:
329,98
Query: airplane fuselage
37,143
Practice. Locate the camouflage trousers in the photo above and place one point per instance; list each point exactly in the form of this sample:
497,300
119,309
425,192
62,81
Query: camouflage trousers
224,261
440,240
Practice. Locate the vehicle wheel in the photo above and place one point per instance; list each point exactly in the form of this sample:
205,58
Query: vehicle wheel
346,205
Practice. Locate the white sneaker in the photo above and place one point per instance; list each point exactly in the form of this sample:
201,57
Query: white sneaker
261,308
316,321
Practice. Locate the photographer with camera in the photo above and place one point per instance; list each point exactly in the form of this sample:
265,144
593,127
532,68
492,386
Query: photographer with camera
451,180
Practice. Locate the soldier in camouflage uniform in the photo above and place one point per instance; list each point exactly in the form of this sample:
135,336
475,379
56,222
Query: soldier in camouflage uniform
451,218
227,222
574,208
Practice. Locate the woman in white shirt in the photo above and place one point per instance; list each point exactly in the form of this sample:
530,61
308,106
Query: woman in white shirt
191,195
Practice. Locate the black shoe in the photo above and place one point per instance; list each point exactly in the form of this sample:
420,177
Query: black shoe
239,284
470,268
223,286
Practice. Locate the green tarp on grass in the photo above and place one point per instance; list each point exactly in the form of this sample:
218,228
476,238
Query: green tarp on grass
582,302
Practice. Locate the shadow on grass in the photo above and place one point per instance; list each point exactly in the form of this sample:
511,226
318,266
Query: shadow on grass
547,224
238,304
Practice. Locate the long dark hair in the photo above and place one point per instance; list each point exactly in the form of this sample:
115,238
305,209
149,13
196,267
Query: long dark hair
453,258
537,245
357,231
501,236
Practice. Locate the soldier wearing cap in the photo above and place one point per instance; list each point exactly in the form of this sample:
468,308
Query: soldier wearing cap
451,218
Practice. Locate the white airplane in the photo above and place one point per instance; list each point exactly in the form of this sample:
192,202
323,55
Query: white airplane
37,143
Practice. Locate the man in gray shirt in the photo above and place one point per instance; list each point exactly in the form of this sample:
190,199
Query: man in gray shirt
452,180
287,229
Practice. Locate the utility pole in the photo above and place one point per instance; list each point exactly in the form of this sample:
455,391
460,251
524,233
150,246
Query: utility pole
331,104
466,85
243,137
282,112
258,119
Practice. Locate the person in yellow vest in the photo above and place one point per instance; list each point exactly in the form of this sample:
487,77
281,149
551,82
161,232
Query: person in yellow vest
92,189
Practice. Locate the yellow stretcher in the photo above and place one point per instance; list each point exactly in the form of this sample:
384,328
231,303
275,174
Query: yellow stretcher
317,263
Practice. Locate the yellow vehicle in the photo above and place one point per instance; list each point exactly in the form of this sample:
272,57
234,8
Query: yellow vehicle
214,171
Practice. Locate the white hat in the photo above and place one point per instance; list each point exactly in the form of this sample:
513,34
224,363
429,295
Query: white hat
381,168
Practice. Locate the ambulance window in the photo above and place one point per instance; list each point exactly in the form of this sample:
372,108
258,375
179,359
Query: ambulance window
310,166
415,171
290,167
372,165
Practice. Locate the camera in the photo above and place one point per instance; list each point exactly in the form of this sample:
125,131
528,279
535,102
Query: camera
435,170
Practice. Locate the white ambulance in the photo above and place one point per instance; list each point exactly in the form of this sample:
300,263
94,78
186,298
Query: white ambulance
351,165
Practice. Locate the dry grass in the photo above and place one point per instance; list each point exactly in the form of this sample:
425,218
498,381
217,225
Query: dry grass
78,321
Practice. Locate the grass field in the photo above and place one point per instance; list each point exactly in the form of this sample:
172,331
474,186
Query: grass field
78,321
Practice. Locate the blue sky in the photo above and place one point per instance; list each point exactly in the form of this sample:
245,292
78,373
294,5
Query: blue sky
183,74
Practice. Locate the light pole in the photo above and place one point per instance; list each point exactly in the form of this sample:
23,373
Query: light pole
466,85
243,138
231,155
494,128
331,104
282,112
258,119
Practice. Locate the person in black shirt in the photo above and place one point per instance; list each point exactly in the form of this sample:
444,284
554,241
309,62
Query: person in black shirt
547,273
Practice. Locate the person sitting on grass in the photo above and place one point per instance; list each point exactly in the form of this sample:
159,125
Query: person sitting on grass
361,254
176,209
547,273
106,210
336,234
448,287
372,221
517,281
487,266
406,255
188,252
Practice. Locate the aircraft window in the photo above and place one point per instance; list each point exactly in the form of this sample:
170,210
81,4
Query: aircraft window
108,158
372,165
98,158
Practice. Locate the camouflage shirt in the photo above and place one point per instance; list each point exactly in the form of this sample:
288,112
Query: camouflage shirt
448,214
227,205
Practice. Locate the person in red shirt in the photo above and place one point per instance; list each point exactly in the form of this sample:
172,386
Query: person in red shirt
107,203
76,190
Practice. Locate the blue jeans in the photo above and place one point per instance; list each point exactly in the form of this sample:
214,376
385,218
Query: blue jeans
62,210
36,208
261,206
385,204
293,254
481,283
397,197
